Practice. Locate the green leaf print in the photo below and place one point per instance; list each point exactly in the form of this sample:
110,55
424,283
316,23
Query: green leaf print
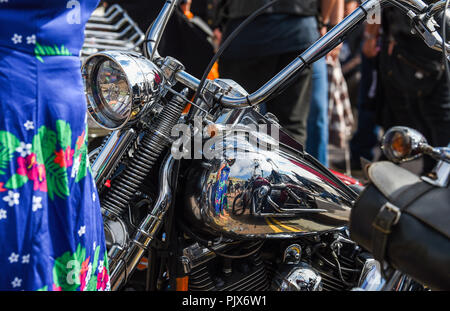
16,181
67,268
82,171
92,284
81,155
57,179
8,145
47,144
46,50
64,134
106,263
44,144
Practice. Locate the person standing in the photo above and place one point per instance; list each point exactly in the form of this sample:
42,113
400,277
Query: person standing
51,228
365,138
266,46
317,138
414,89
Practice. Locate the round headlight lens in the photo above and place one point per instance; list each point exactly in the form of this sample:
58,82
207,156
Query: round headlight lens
114,91
119,86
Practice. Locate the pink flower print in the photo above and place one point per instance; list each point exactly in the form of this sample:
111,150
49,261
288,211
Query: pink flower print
102,279
36,172
40,182
26,165
56,288
83,273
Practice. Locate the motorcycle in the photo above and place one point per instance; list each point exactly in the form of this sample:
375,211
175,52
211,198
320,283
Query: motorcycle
167,175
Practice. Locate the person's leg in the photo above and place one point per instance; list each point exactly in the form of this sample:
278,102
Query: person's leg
251,74
317,139
292,105
366,136
436,114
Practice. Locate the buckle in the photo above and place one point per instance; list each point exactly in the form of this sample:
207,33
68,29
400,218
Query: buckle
393,209
388,216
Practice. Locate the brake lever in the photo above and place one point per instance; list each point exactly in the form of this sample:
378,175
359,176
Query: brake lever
427,28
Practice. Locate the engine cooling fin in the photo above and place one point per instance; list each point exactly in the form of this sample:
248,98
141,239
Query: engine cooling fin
254,278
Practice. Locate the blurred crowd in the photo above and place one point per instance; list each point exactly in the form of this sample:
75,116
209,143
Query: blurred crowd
381,76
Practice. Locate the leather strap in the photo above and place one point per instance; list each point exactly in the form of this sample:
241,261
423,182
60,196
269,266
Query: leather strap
389,215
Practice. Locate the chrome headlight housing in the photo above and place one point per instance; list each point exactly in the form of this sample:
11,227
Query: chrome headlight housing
119,86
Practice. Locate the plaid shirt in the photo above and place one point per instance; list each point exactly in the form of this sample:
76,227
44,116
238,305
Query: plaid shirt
340,114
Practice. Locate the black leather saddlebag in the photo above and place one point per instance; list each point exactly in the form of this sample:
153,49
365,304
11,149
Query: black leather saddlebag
405,221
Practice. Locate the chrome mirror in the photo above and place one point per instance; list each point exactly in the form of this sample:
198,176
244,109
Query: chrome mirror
401,144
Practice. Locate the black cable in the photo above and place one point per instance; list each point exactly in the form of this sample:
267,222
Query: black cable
334,266
227,42
340,270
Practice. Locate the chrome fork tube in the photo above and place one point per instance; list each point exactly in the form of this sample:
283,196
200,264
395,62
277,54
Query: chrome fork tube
110,155
125,263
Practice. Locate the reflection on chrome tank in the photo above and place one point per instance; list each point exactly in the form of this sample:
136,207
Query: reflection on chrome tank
250,192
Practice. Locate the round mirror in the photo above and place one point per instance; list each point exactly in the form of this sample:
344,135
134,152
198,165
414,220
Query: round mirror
401,144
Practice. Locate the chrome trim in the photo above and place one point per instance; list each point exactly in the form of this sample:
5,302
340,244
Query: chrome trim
298,277
156,31
110,155
188,80
273,194
196,255
415,140
371,278
113,30
415,4
441,173
144,78
123,265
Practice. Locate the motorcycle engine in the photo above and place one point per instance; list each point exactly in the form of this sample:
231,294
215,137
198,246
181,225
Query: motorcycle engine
328,262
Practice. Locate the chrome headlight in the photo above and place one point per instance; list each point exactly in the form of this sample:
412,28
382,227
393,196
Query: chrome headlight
118,86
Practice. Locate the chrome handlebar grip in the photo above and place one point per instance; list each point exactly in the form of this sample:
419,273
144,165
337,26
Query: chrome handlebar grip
188,80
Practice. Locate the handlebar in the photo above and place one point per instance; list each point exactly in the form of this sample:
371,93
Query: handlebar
417,10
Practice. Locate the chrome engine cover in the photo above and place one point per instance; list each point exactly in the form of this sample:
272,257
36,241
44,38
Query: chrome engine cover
272,194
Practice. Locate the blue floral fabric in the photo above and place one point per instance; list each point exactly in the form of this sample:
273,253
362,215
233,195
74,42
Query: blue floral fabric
51,229
220,190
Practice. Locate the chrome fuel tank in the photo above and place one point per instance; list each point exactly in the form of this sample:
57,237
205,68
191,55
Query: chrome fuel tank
249,192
